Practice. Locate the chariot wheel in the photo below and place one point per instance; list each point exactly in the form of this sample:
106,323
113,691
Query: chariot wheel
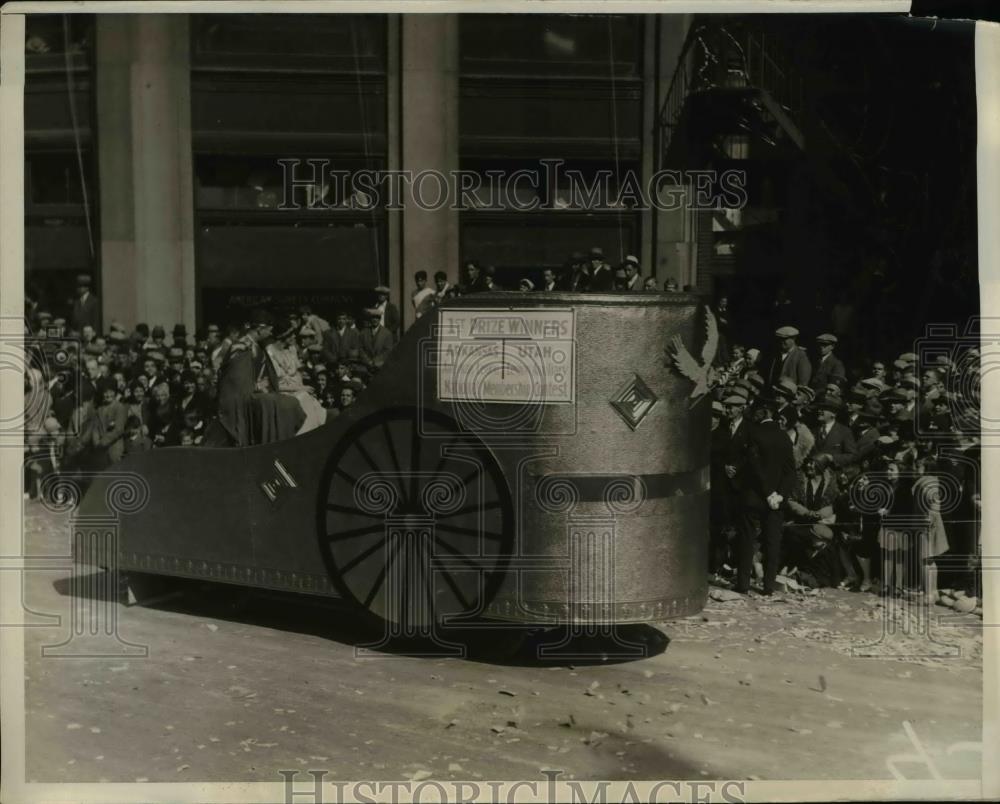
416,520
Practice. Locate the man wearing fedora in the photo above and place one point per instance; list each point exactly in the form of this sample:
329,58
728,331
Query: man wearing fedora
829,369
387,311
866,429
602,278
576,277
785,393
832,437
86,309
791,360
766,481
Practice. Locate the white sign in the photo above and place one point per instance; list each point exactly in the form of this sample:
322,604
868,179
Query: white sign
509,356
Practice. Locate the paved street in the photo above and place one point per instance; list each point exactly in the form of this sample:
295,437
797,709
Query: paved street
748,689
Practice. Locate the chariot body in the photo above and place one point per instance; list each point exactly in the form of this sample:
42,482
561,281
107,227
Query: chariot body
531,458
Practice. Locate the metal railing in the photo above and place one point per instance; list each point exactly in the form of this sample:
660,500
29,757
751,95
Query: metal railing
730,54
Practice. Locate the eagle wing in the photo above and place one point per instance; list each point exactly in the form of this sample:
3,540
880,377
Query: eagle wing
711,339
685,362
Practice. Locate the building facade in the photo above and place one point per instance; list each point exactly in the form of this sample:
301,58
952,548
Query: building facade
158,150
180,159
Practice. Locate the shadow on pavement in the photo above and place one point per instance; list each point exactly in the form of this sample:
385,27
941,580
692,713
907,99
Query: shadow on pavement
493,643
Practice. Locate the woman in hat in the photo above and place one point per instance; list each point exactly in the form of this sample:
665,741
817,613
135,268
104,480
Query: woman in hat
288,369
801,437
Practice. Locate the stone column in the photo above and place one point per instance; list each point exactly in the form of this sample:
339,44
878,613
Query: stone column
429,138
143,90
674,246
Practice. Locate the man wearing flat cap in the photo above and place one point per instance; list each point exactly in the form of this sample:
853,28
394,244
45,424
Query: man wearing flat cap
387,311
86,310
791,360
832,437
829,368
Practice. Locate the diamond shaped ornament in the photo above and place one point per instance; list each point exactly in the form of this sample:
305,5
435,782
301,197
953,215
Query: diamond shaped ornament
634,401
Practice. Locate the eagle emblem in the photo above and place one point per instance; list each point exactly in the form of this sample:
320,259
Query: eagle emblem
701,374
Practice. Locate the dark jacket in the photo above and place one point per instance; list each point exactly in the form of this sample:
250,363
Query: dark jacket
732,451
839,444
392,320
829,369
86,312
574,281
376,346
770,466
603,279
867,443
109,432
165,423
339,348
796,366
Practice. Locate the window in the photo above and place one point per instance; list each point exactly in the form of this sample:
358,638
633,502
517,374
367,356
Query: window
298,88
566,88
329,43
556,46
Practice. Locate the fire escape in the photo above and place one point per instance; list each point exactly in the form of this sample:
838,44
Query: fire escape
735,103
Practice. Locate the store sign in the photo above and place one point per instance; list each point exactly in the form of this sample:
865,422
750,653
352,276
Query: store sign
507,356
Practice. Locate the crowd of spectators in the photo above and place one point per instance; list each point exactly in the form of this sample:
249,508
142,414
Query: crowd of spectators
93,397
882,491
894,430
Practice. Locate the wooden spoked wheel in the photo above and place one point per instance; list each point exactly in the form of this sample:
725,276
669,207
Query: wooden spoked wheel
415,518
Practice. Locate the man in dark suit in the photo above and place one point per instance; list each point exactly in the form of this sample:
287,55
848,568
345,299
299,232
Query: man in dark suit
602,278
86,309
829,368
576,276
791,360
341,343
866,428
768,477
376,342
729,441
832,437
473,278
548,280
